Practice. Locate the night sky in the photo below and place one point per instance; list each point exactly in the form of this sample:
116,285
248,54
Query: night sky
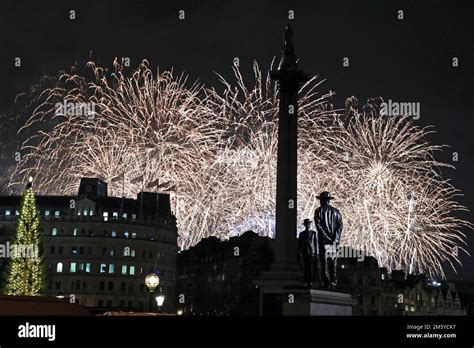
403,60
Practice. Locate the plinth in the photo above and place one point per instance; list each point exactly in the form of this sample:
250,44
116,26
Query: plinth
277,300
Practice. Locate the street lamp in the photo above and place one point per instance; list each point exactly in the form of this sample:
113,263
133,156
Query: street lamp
160,299
151,281
60,295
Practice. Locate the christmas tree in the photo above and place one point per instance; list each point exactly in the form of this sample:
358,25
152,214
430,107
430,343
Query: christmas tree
24,274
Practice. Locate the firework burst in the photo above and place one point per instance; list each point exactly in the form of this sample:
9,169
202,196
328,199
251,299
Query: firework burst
144,128
218,152
400,209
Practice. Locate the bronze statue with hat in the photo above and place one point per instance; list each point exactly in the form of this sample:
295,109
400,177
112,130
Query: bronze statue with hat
328,222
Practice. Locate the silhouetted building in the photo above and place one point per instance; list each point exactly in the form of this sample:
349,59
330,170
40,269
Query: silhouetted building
215,277
416,295
361,278
100,248
465,289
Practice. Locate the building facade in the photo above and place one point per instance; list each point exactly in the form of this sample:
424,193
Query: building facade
98,249
361,278
216,277
416,295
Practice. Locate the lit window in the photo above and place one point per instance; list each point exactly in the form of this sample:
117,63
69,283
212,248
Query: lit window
74,250
59,267
78,213
46,213
383,276
412,308
124,215
132,253
112,252
88,267
134,235
126,234
126,251
54,231
106,215
103,268
74,233
17,212
84,212
134,217
111,268
115,215
132,270
91,212
81,267
73,267
124,269
7,212
56,214
114,233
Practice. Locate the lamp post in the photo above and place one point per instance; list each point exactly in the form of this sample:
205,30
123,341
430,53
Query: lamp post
160,299
151,281
60,295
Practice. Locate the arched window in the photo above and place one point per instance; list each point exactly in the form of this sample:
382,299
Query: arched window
59,267
103,268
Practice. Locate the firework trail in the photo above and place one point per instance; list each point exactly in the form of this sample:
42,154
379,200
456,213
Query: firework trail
246,166
145,128
400,208
217,150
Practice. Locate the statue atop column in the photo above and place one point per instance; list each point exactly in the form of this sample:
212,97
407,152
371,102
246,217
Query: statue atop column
288,47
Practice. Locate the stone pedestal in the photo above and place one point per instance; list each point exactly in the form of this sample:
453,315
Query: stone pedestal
277,299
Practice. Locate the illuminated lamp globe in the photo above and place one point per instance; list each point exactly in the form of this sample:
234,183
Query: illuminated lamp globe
152,281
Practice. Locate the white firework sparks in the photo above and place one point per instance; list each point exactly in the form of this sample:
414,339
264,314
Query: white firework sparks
399,208
216,152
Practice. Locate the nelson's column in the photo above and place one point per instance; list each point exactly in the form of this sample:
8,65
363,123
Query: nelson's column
281,288
289,78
